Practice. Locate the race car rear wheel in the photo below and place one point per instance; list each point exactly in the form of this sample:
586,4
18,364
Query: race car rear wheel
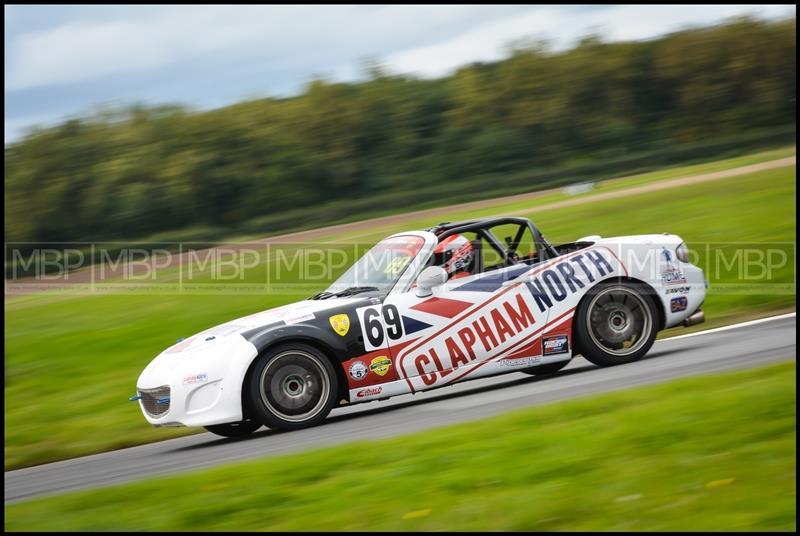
292,386
234,429
616,323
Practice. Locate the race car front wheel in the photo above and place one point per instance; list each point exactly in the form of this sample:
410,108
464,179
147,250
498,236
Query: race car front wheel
615,323
292,386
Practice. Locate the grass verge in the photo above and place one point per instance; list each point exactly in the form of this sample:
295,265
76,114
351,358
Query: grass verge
713,452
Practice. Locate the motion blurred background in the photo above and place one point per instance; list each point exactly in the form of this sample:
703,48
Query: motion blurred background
158,126
148,126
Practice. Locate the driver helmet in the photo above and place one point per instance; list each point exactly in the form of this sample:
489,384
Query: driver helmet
454,254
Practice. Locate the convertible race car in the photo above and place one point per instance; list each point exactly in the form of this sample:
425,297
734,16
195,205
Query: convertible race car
422,310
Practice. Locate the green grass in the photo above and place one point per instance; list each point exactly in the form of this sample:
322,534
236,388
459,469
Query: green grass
698,169
209,235
609,185
643,179
72,361
377,207
712,453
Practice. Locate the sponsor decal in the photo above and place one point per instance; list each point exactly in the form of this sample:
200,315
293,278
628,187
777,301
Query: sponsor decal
520,362
379,324
507,318
672,276
397,265
556,283
369,391
181,345
340,324
225,329
473,338
557,344
358,370
678,290
678,304
667,255
484,333
195,378
298,319
380,365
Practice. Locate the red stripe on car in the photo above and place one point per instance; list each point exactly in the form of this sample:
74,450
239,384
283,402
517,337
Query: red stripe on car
442,307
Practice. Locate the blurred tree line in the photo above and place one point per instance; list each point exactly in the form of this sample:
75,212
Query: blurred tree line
389,139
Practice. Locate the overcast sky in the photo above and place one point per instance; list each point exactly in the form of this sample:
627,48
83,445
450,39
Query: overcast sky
62,61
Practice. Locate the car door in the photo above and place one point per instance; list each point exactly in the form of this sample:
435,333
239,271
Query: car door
468,327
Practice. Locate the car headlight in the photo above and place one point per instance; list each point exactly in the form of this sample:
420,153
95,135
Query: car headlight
682,252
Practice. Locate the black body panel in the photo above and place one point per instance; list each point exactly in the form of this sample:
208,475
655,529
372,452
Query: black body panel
318,329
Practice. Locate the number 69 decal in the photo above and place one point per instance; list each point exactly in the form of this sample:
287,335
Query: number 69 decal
379,324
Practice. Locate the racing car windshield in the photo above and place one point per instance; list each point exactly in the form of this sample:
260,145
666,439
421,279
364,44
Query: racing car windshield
379,268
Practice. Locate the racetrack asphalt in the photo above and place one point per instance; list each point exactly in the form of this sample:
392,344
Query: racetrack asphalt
736,347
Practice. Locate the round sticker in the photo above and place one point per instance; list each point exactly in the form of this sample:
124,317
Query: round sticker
358,370
380,365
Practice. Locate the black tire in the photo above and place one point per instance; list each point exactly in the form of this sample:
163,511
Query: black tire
234,429
292,386
549,368
616,323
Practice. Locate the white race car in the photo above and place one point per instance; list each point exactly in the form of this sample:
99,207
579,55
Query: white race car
425,309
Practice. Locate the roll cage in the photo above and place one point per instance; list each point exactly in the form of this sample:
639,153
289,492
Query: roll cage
483,229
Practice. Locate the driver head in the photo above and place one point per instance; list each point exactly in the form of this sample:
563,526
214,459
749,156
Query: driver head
454,254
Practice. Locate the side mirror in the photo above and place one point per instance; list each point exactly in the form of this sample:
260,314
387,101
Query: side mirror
432,276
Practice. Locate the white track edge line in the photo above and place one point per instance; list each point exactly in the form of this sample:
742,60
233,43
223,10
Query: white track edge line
732,326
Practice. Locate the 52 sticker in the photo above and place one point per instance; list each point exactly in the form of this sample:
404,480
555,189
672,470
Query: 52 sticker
380,325
397,265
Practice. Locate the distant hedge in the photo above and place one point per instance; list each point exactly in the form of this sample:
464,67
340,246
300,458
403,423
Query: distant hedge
536,119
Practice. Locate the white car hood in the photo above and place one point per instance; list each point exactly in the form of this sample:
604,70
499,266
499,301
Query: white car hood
289,314
223,341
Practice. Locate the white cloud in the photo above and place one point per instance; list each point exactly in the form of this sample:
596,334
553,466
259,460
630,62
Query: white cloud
265,48
562,26
83,50
640,22
483,44
136,41
79,51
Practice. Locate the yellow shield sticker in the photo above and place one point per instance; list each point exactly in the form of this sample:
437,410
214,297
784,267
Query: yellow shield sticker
340,324
380,365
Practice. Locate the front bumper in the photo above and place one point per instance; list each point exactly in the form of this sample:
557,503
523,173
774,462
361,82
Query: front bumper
200,387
